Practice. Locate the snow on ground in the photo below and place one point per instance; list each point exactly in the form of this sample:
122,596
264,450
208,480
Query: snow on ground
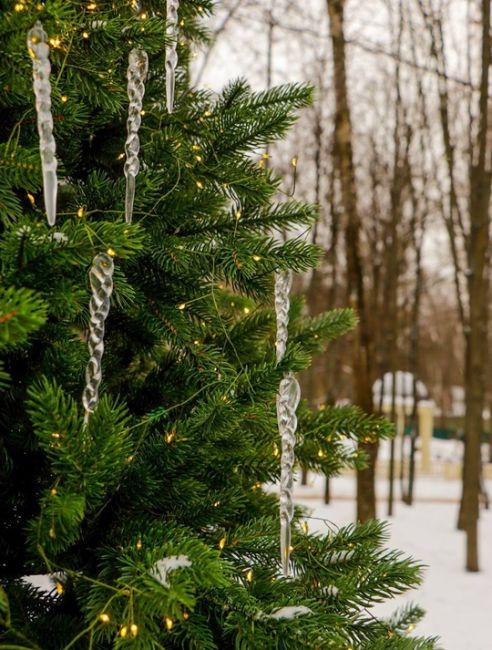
458,604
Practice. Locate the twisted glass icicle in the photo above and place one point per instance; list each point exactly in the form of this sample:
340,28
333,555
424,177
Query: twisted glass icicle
288,398
101,279
138,65
171,51
39,50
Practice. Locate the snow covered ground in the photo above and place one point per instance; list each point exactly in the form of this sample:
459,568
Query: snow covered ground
458,604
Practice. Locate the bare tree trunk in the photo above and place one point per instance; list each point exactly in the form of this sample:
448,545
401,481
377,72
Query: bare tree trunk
366,493
473,283
475,362
421,209
392,254
327,491
414,350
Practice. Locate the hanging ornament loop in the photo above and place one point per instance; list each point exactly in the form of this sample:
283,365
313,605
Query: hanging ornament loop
39,50
171,52
288,398
101,280
138,65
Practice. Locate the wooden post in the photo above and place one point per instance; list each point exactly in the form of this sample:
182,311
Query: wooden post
425,411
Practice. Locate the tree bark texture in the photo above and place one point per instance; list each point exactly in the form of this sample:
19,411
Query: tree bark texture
366,493
476,331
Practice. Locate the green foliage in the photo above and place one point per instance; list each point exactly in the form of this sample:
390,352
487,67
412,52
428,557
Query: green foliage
170,466
86,462
21,313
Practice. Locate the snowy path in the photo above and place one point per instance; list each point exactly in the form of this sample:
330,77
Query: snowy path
458,604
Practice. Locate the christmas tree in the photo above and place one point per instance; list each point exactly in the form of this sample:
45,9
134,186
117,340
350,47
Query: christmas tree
148,510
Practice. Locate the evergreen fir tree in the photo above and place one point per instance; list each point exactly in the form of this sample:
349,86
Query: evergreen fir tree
152,520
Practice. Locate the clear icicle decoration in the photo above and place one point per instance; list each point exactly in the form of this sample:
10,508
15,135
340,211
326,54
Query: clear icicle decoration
39,50
101,280
138,65
171,51
288,398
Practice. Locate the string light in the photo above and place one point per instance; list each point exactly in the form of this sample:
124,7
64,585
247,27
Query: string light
53,492
124,631
92,6
54,41
143,15
294,161
19,7
120,156
169,623
104,618
222,543
196,147
81,212
138,545
305,527
275,449
182,306
55,434
85,34
64,98
31,198
411,627
186,615
256,258
216,504
169,437
111,252
199,184
247,310
133,630
208,114
321,453
249,575
59,588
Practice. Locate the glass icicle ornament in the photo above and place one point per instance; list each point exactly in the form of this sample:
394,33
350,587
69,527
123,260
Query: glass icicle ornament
288,397
171,51
39,50
138,65
101,280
